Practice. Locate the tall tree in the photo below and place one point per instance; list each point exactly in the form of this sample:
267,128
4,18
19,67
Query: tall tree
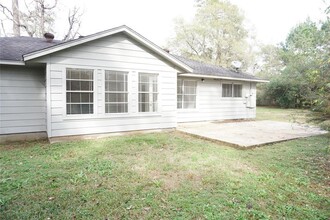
215,35
16,19
38,16
270,63
305,79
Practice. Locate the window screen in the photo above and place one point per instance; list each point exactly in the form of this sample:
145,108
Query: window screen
237,90
227,90
186,91
148,92
116,93
79,91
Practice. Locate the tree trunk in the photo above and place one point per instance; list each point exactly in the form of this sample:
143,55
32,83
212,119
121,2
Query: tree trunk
16,21
42,18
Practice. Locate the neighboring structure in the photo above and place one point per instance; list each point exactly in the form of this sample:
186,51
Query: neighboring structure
112,81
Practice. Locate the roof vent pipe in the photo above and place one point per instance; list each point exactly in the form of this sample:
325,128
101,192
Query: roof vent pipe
49,37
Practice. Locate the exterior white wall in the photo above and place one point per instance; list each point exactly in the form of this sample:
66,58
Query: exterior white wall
22,100
210,105
112,53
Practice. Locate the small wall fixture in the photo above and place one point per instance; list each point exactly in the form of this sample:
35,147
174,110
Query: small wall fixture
202,79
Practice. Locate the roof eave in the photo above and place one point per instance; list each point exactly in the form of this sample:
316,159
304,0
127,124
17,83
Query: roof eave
12,62
125,29
222,77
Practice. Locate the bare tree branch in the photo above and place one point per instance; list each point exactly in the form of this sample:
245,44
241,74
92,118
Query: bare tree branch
3,29
74,19
47,7
6,10
37,17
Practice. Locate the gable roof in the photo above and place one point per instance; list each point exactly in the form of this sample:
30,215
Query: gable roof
212,71
31,48
121,29
17,50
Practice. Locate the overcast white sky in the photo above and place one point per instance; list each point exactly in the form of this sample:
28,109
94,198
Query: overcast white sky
271,20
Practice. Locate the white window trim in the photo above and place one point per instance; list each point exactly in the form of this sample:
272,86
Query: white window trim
241,90
187,109
155,113
111,114
99,92
232,88
79,116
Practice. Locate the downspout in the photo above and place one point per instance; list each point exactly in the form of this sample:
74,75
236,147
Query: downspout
48,100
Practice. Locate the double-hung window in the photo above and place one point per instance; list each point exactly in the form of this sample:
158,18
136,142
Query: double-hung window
237,90
148,92
79,91
186,94
232,90
116,93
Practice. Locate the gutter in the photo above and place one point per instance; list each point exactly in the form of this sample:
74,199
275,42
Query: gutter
12,62
223,77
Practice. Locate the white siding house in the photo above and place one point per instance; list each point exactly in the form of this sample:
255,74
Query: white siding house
114,53
112,81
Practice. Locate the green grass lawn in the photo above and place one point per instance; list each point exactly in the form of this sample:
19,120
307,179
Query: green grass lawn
165,176
286,115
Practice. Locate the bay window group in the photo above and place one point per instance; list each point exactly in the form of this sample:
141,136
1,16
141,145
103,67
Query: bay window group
80,92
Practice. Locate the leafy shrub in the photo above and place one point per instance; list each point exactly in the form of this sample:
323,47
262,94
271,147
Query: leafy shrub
283,93
325,125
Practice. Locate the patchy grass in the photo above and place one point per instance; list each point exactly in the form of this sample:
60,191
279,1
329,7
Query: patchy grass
286,115
164,176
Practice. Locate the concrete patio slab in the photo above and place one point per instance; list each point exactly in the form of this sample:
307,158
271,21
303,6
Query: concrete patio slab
249,133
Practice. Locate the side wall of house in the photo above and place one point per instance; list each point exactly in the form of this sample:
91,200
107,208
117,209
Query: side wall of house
210,105
22,99
118,53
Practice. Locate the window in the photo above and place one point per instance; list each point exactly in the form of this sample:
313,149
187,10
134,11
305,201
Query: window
237,90
227,90
232,90
116,100
79,91
186,94
148,92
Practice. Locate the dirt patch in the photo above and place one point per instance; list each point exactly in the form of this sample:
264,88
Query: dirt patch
22,145
232,120
173,180
238,168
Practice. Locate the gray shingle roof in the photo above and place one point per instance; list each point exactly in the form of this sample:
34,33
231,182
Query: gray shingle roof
12,48
213,70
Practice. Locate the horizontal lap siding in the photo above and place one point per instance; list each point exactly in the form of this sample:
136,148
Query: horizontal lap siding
112,53
22,100
211,106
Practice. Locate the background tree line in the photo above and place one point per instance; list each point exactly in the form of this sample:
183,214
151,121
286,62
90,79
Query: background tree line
298,68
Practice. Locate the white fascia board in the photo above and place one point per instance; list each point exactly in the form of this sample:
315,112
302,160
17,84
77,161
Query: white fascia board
145,42
12,62
69,44
222,77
